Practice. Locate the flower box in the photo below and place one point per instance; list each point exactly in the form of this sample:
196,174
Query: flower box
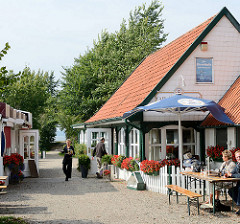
150,167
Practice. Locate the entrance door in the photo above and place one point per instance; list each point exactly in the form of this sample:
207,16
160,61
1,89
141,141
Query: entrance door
93,137
29,148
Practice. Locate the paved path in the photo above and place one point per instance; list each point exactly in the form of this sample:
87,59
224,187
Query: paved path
49,199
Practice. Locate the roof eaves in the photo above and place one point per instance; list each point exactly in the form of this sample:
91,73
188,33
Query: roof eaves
104,121
219,102
192,47
80,126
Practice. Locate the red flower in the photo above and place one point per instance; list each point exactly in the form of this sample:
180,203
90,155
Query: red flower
2,182
215,152
14,158
129,164
149,166
106,172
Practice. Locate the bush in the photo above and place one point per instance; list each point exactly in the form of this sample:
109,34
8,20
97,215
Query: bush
106,159
80,149
84,160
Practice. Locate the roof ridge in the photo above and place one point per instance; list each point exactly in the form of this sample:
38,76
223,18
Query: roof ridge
209,19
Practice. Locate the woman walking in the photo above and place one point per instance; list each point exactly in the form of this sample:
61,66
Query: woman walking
67,160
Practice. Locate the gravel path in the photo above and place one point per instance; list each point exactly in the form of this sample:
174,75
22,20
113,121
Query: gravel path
49,199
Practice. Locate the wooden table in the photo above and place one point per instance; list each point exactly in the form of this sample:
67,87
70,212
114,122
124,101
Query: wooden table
211,179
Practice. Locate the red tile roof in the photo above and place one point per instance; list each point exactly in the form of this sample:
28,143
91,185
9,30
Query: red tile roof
147,75
231,103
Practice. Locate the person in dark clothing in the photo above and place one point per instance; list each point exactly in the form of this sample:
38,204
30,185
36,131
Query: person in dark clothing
68,151
99,151
235,191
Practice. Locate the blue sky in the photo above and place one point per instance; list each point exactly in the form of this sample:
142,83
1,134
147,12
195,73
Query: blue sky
49,34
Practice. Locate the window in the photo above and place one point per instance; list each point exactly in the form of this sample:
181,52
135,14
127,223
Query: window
221,137
204,70
172,143
155,144
134,146
94,139
29,147
121,142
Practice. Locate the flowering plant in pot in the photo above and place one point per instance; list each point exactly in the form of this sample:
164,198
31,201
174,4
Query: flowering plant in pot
170,162
2,183
84,164
150,167
130,164
215,153
117,160
106,172
15,163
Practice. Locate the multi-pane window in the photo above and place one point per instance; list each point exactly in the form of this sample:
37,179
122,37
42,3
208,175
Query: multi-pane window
29,147
155,145
121,142
96,136
134,143
168,147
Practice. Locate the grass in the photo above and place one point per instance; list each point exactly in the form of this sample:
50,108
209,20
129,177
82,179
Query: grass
11,220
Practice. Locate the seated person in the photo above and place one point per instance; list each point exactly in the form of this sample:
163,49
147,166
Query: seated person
189,161
235,191
227,167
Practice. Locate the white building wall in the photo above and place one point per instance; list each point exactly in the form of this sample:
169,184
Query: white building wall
224,47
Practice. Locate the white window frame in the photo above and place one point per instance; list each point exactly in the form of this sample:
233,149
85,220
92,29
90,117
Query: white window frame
134,143
121,142
163,144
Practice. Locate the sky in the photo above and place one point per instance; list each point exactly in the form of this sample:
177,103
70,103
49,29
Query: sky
49,34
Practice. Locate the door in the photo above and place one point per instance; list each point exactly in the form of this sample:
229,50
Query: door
93,137
29,148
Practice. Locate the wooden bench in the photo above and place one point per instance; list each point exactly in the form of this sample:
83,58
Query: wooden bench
3,178
192,197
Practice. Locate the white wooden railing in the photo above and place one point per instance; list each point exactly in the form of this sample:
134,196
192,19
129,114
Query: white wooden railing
167,175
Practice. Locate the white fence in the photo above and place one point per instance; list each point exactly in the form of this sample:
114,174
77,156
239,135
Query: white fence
167,175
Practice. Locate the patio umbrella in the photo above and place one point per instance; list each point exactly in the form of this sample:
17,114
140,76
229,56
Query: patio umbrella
181,104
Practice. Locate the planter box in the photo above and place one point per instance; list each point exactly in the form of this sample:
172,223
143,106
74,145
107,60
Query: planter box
215,165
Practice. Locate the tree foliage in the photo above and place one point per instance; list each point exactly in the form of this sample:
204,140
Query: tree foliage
30,93
6,78
97,74
36,92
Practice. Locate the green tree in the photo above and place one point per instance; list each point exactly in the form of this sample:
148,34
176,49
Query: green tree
29,93
36,92
6,78
100,71
65,122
